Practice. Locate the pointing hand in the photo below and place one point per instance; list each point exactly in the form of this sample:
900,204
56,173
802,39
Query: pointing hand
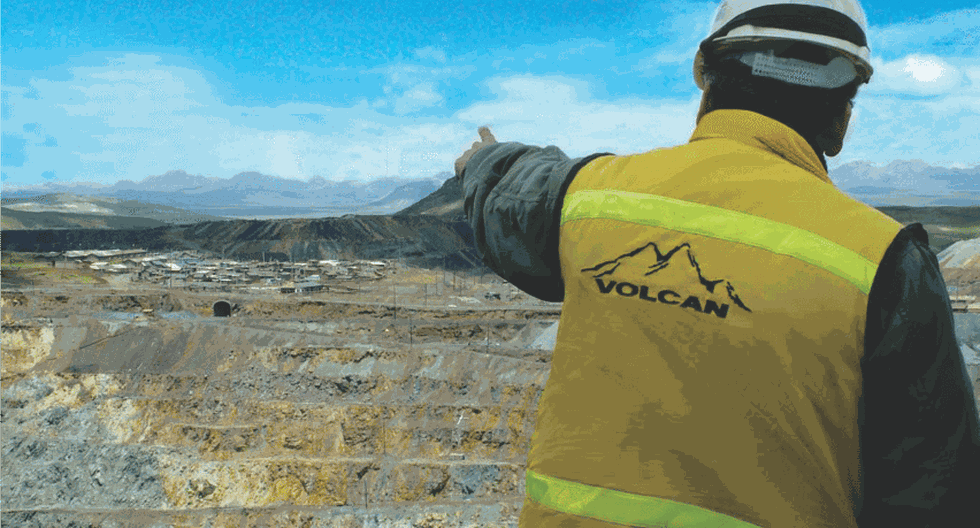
486,138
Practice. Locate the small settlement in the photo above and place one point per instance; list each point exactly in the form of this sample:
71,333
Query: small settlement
198,272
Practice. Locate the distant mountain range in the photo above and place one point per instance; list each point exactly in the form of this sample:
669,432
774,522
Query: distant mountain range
250,194
900,183
179,196
424,218
912,183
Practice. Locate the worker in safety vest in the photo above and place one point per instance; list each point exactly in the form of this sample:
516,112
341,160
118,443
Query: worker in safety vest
741,343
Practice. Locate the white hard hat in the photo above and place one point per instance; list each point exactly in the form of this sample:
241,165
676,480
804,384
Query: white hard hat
753,29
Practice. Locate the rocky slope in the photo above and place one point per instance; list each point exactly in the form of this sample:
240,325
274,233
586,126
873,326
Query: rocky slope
430,233
446,202
293,412
426,241
354,416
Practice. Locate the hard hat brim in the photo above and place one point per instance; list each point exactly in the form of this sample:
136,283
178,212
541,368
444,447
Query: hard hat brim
764,39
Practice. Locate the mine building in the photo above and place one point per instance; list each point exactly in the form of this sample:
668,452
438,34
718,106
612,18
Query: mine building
308,287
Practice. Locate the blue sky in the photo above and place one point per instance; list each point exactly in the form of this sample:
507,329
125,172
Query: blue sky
354,90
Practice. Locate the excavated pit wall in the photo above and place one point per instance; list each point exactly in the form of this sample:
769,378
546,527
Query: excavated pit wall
352,418
207,422
427,241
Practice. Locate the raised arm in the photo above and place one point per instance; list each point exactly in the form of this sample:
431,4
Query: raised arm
512,197
920,440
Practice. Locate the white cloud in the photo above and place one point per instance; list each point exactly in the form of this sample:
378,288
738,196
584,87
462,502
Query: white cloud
940,130
925,102
917,74
282,154
421,96
131,123
412,87
135,116
925,70
561,111
675,31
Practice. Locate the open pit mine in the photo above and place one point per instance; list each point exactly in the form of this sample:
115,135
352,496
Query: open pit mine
408,403
165,384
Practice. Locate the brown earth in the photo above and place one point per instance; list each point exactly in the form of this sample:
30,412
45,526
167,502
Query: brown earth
435,235
425,241
28,274
965,280
961,268
12,219
408,401
394,405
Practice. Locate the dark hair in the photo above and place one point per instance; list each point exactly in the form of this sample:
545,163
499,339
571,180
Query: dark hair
805,109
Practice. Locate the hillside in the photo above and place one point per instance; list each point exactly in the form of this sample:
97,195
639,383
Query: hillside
418,240
14,219
446,202
73,211
432,233
945,225
422,241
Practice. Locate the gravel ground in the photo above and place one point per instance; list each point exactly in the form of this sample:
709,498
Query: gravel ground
293,412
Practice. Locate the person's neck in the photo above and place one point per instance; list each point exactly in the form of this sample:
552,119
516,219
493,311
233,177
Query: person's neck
809,137
708,105
816,148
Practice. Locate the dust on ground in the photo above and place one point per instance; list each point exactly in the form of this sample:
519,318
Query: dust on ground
408,401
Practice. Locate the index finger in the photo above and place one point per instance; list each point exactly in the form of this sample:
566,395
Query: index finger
486,135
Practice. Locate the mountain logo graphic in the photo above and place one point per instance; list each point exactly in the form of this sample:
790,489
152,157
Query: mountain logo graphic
648,260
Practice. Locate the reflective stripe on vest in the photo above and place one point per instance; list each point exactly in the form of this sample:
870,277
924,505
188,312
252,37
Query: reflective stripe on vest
720,223
619,507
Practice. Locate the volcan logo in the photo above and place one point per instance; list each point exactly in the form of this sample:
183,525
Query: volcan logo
648,260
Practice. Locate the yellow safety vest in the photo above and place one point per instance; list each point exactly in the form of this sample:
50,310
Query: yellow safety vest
707,367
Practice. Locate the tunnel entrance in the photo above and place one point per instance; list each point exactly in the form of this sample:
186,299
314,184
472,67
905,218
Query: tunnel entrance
222,309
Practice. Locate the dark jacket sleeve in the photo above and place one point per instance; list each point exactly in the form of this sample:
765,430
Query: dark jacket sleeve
512,196
920,440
